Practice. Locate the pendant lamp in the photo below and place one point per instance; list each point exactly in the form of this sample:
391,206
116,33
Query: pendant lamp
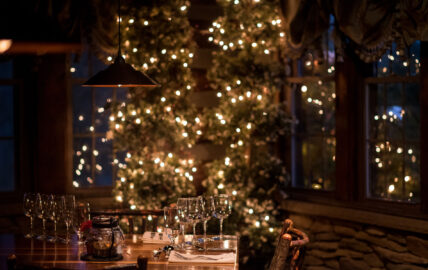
120,73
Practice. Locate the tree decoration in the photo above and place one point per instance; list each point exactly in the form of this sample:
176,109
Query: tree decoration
156,127
248,72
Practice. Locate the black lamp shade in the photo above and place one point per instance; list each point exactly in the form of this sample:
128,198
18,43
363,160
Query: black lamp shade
120,74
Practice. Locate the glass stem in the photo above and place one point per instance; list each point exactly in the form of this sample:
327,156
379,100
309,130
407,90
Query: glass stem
205,229
183,227
31,226
66,235
194,230
221,228
55,229
44,227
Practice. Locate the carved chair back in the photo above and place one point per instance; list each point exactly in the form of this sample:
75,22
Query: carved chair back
290,249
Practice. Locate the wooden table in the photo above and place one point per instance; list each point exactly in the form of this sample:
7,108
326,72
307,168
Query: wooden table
61,256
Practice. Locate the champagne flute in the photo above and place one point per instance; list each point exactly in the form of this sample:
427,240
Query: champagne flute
172,225
30,200
222,209
194,214
56,208
43,205
69,207
207,212
182,209
83,214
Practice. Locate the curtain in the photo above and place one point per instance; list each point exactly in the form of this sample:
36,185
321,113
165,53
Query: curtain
367,26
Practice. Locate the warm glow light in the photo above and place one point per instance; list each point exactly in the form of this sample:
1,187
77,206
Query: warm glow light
5,45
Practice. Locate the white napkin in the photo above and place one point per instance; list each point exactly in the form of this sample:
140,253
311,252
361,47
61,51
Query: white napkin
148,239
201,258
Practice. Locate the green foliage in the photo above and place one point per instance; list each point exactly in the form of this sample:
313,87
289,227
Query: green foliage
248,72
156,127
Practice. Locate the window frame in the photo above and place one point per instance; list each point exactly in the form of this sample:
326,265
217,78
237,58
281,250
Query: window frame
351,77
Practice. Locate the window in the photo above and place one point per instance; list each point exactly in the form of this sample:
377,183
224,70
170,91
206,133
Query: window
7,156
393,127
313,105
93,162
367,153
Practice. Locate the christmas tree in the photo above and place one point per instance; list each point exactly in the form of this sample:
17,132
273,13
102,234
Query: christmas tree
156,127
248,72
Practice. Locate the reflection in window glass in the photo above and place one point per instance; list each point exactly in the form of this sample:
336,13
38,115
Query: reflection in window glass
399,62
7,149
6,111
393,116
94,157
314,143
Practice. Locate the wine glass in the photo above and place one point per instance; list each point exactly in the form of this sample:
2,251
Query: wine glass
206,213
69,207
222,206
194,213
172,225
30,202
182,209
43,204
83,214
54,212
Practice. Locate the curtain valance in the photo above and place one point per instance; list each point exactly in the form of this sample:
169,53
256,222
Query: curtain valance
368,26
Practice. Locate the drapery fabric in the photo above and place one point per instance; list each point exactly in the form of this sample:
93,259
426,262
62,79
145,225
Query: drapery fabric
368,26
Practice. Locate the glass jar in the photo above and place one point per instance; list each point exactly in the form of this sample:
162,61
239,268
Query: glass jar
105,238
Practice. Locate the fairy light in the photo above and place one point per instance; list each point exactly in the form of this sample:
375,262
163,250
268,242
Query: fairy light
304,88
227,161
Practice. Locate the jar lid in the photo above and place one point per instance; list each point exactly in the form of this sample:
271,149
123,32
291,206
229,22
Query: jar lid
104,222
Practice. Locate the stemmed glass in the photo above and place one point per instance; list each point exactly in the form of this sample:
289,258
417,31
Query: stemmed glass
83,214
30,200
172,225
69,206
222,209
206,213
194,213
54,212
182,209
43,204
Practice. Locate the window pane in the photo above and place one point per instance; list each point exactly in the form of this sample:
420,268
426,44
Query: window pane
102,97
6,111
82,163
6,69
403,63
393,141
314,143
104,160
82,109
6,165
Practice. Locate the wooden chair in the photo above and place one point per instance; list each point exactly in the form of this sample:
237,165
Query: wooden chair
290,249
149,218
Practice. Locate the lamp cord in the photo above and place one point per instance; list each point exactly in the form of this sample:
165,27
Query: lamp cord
119,52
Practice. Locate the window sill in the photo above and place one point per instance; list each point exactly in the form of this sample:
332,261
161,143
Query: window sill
356,215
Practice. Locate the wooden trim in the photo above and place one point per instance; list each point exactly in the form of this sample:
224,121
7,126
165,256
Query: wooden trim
424,126
357,215
37,47
393,79
306,79
349,86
